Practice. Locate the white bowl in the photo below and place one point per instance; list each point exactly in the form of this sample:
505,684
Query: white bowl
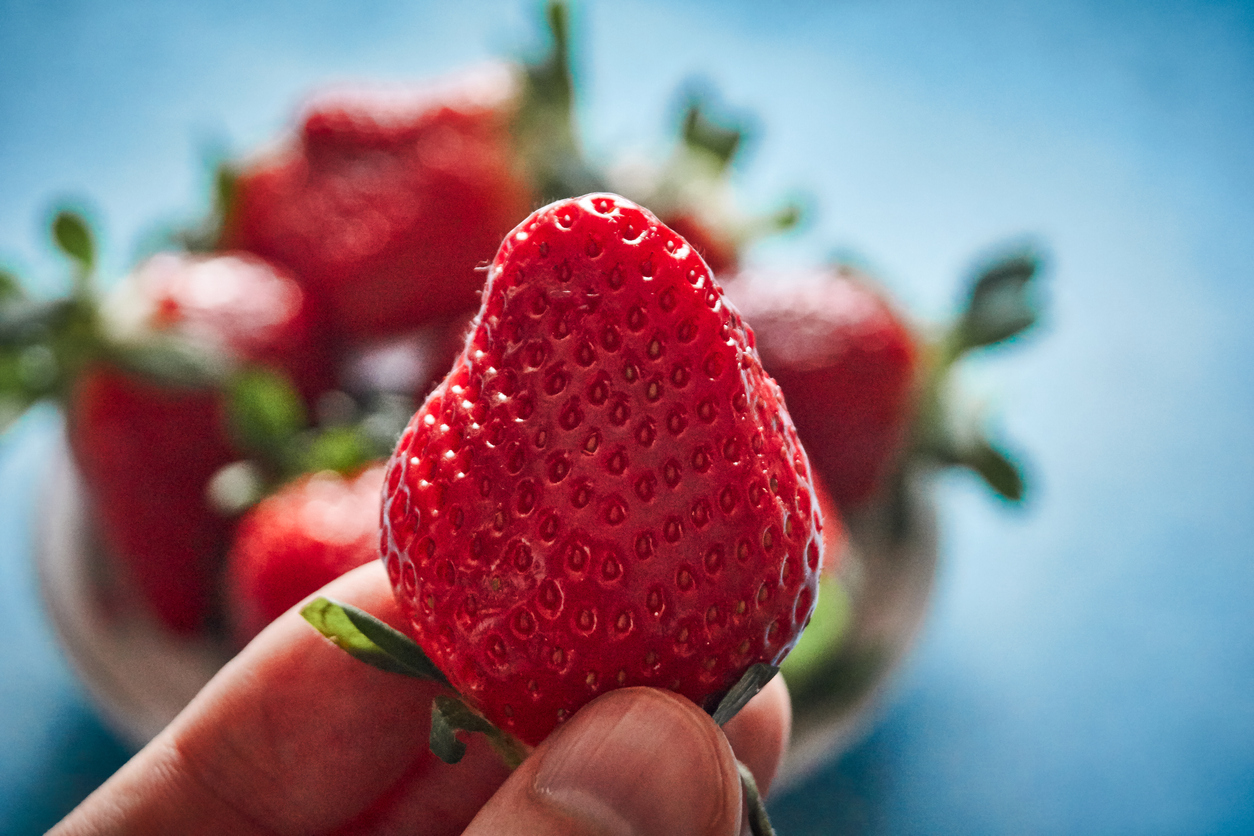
139,674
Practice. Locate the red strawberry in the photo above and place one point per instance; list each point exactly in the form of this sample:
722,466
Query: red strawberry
147,449
298,539
387,203
606,490
846,363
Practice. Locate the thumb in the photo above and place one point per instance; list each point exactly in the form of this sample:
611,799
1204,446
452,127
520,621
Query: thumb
633,761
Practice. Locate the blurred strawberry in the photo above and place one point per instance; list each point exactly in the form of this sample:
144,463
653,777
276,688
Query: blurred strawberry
389,203
141,375
866,391
847,364
298,539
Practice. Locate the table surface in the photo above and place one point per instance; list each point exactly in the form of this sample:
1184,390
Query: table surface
1088,662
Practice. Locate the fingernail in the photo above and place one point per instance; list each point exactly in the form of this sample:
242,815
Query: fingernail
638,761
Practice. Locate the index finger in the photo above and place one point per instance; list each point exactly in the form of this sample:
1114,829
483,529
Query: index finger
294,736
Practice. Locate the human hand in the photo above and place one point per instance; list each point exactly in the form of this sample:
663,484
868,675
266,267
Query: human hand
295,736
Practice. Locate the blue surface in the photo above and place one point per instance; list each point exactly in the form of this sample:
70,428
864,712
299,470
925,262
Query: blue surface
1089,662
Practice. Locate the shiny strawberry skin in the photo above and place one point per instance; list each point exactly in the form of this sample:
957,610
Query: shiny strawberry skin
295,541
847,363
386,206
147,450
606,490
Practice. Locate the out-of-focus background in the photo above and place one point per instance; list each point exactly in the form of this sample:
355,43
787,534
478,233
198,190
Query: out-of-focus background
1088,663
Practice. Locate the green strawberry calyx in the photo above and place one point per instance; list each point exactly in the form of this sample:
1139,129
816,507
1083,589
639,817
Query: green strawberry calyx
46,344
1002,303
370,640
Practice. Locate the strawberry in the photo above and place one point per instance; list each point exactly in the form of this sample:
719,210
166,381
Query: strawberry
386,203
146,443
847,363
298,539
606,489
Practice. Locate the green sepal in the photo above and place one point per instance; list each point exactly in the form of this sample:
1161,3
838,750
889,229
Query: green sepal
758,820
171,362
753,681
996,468
545,128
10,287
342,449
450,715
72,236
264,411
446,720
24,321
1001,305
719,138
369,640
12,407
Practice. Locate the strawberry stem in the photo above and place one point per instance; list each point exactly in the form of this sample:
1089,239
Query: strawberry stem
759,820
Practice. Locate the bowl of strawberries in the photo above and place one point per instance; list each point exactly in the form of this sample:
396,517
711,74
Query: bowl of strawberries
590,446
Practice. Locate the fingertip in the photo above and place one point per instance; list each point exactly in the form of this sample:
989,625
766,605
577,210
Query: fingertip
636,760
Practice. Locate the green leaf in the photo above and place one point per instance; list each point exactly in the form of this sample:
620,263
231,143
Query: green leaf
368,639
443,739
996,468
450,715
342,449
225,187
265,411
24,321
1002,303
12,407
171,362
10,287
759,822
720,138
746,689
550,79
72,235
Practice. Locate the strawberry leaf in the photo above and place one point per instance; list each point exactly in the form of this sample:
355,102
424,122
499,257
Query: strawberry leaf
450,715
342,449
265,411
73,237
1001,305
10,287
720,138
996,468
753,681
368,639
171,362
25,321
545,125
444,728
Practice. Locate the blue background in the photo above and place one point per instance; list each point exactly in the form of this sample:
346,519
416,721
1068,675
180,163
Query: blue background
1088,665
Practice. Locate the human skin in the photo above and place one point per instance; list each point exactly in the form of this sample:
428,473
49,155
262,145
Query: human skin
295,736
